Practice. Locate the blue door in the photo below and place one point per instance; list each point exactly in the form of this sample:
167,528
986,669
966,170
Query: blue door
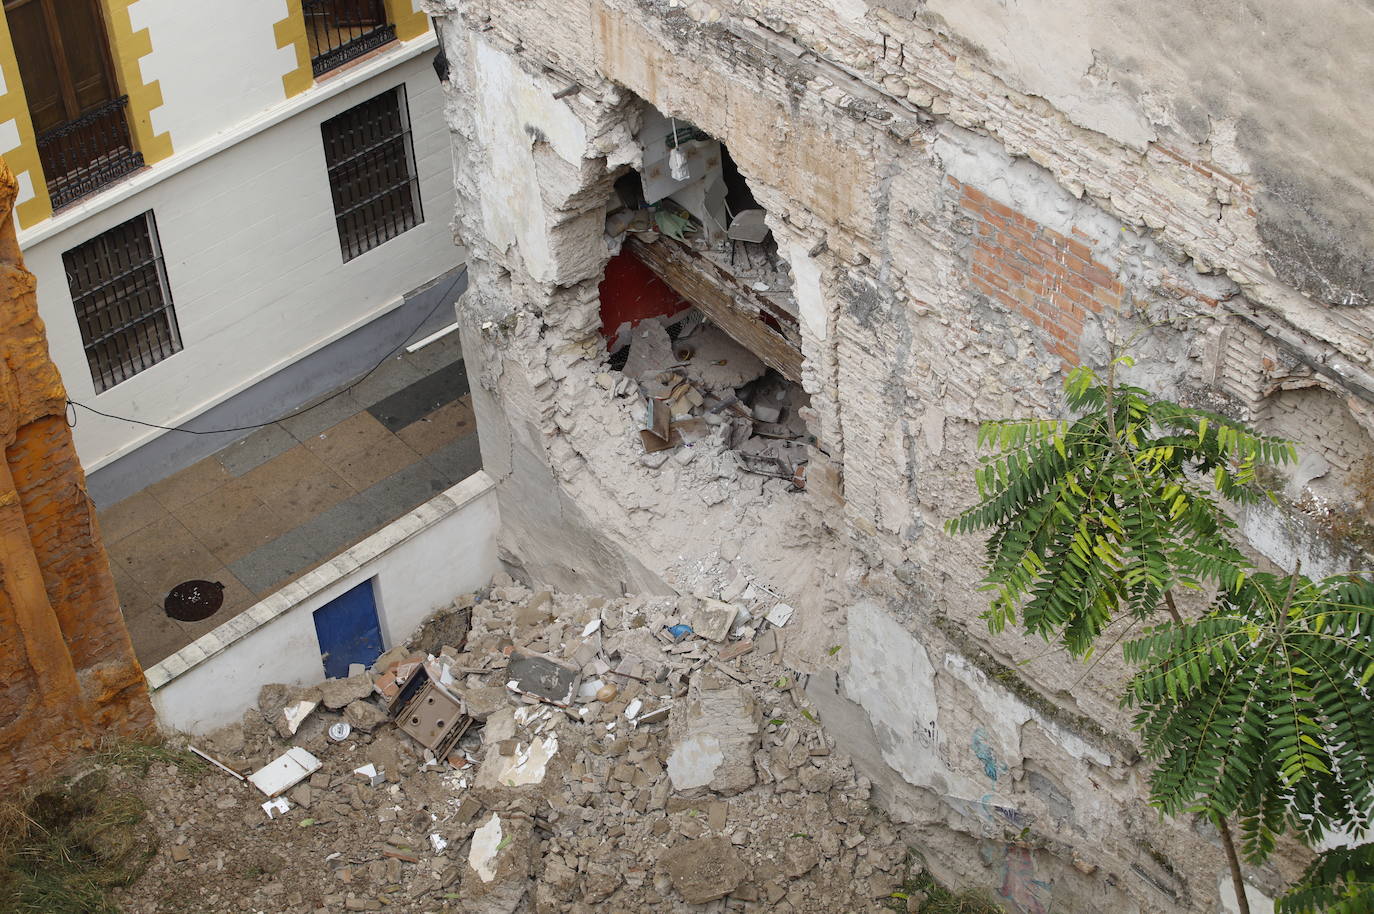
348,630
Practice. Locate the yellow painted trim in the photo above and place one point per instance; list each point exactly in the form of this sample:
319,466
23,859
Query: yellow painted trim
24,157
290,32
126,47
410,22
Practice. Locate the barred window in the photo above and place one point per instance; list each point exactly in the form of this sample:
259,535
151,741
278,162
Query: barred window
342,30
371,163
122,300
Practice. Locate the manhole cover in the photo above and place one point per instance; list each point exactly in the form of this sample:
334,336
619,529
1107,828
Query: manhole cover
191,601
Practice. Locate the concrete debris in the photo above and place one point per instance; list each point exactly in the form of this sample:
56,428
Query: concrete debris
370,774
337,694
713,619
656,786
704,869
705,393
293,715
285,771
542,676
365,716
486,844
714,734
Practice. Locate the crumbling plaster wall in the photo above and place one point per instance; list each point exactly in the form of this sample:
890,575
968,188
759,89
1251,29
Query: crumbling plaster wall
955,238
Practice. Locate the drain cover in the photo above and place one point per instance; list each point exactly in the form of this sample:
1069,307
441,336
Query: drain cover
191,601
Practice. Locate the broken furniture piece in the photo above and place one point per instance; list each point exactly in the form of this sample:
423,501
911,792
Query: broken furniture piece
426,712
434,719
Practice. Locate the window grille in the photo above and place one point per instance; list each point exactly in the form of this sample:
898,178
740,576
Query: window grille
340,30
123,304
371,164
70,87
83,155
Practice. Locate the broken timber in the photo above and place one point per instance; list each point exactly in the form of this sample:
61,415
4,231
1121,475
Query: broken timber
728,302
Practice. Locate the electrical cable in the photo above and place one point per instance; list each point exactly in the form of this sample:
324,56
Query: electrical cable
71,422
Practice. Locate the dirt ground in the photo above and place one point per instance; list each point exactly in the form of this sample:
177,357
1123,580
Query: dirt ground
675,781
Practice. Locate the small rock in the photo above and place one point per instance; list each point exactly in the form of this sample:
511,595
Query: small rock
799,856
365,716
339,693
704,869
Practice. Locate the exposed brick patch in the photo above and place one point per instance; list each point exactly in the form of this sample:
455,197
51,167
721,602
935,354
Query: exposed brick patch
1049,278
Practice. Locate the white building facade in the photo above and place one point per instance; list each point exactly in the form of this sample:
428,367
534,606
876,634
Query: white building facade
230,208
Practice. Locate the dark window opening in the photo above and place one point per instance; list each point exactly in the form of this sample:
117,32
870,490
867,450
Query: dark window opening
342,30
122,300
78,114
372,177
738,196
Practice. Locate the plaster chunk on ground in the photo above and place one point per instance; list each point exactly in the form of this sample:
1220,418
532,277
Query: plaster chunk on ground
496,877
715,731
526,765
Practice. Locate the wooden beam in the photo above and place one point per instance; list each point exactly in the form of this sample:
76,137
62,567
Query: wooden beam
731,305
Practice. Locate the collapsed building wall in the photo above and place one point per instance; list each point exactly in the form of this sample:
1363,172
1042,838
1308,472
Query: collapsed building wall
69,673
959,223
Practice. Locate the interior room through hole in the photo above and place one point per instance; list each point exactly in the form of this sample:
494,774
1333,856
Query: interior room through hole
697,307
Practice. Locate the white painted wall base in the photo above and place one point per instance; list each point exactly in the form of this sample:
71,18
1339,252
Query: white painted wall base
421,561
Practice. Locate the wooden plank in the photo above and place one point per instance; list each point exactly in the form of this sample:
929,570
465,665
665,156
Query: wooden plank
730,305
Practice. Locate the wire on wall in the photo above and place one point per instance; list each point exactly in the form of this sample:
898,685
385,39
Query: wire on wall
73,405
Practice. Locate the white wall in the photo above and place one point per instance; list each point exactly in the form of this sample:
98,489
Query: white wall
253,261
423,560
215,63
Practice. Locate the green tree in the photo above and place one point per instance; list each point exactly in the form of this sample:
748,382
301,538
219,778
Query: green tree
1258,708
1340,881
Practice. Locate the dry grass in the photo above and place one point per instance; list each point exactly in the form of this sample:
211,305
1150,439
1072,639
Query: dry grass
65,844
938,899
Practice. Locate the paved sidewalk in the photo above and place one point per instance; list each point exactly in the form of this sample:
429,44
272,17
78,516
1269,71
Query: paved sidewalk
293,494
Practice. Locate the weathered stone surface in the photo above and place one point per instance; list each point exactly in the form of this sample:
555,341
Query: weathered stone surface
704,869
69,670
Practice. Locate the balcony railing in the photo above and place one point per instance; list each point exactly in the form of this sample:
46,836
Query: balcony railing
341,30
87,153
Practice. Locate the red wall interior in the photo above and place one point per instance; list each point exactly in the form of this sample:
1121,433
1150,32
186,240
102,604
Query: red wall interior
631,292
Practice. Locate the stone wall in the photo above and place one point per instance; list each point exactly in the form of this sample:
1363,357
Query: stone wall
954,242
68,670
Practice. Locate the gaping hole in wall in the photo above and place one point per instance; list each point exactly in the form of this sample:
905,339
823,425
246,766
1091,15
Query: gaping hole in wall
697,307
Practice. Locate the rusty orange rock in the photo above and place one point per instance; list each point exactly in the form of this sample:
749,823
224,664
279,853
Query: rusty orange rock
68,675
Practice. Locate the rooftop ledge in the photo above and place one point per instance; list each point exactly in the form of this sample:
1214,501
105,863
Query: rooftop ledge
283,601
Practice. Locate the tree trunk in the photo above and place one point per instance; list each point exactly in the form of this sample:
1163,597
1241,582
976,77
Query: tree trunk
1233,861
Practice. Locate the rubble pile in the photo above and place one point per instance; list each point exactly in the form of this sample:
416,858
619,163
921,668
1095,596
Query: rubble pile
700,390
628,754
